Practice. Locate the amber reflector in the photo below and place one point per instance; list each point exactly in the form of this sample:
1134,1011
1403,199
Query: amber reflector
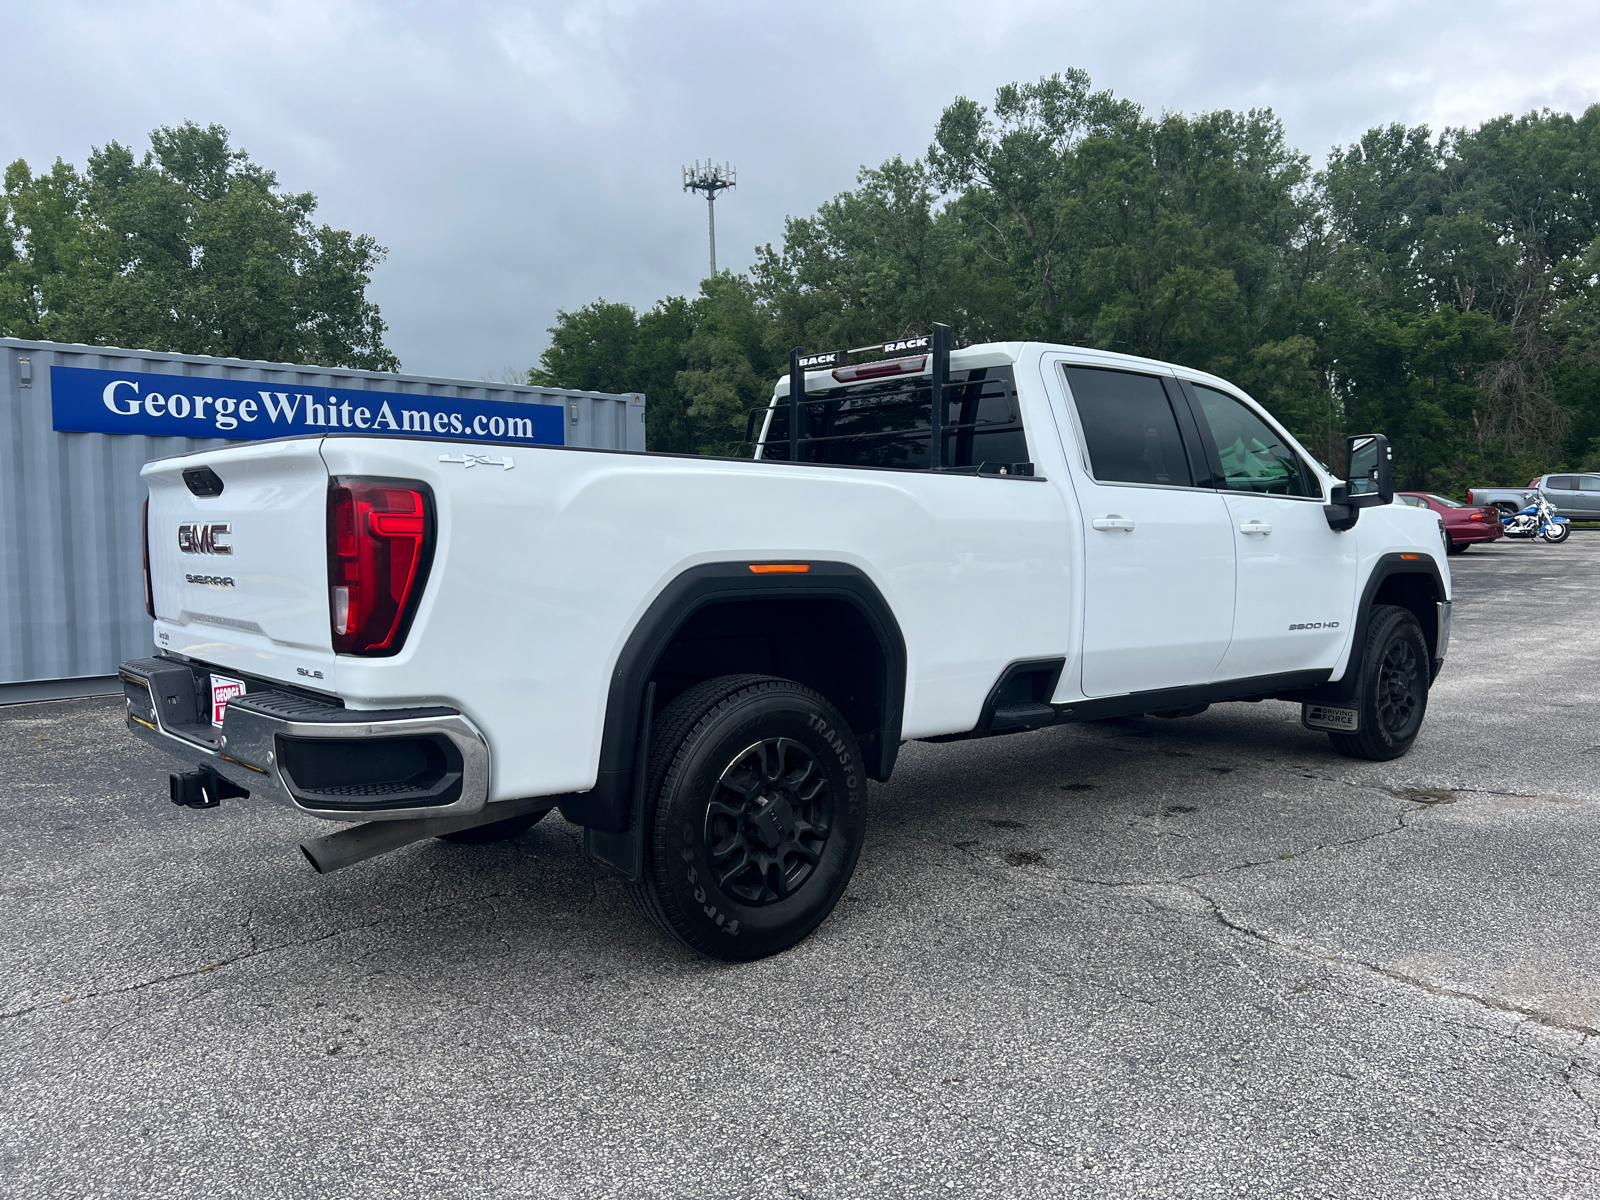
780,568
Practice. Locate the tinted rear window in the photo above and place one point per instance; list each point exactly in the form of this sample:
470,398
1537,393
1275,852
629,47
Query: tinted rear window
1129,427
888,423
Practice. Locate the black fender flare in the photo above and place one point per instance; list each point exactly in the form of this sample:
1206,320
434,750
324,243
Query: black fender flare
608,805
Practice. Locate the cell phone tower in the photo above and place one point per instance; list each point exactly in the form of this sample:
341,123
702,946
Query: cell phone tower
710,179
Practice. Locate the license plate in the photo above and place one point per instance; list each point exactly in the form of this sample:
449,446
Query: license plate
1339,720
223,689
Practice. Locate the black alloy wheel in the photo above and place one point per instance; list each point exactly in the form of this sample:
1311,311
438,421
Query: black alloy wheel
754,815
768,821
1399,687
1392,689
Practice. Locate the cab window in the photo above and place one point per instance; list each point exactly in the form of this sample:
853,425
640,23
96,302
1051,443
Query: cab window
1253,457
1129,427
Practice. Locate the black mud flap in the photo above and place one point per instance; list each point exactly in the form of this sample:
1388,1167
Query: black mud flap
622,854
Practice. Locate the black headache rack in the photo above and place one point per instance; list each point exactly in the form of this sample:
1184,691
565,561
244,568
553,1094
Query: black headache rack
905,410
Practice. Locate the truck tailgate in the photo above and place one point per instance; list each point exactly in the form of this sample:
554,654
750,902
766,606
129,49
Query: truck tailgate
239,577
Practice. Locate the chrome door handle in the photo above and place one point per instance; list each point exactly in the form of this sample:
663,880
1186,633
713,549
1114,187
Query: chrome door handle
1255,527
1113,522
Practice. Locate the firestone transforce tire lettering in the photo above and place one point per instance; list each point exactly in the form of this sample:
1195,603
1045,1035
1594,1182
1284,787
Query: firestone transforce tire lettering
496,831
1392,694
755,810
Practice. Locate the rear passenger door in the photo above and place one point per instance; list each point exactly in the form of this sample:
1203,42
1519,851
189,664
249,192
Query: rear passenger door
1296,576
1158,576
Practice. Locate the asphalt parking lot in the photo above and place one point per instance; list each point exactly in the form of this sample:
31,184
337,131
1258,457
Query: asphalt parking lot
1203,957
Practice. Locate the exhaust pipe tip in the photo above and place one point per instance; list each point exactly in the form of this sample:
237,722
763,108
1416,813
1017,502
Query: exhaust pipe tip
305,849
356,843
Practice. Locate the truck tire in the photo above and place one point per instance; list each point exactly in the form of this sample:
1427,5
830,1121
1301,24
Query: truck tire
1392,692
754,814
495,831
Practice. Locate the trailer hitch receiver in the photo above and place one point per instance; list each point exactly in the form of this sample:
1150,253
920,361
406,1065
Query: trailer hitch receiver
203,788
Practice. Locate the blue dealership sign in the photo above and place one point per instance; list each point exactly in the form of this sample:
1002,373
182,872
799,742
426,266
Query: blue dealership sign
195,406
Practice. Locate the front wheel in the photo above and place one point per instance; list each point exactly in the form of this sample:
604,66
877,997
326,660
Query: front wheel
1392,691
754,814
1555,532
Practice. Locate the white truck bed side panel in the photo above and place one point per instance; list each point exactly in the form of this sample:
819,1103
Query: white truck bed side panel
541,572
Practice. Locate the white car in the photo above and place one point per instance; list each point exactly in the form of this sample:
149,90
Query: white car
702,661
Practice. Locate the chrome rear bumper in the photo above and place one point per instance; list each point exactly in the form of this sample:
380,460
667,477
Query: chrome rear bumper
309,753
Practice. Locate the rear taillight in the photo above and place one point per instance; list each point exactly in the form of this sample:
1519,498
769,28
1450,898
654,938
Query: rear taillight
380,540
144,533
1478,516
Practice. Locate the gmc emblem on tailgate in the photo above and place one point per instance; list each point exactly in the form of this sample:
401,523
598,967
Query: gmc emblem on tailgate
204,539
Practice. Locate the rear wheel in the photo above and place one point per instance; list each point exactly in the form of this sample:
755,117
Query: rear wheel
1456,548
755,808
1392,694
496,831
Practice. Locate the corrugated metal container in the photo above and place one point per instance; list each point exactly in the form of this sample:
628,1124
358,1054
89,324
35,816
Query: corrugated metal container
71,592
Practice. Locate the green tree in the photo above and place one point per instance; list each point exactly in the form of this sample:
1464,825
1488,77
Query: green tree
609,347
192,248
1443,289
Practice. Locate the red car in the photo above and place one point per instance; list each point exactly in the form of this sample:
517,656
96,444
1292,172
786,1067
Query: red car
1463,524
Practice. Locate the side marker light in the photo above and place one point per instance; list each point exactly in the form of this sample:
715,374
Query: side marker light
780,568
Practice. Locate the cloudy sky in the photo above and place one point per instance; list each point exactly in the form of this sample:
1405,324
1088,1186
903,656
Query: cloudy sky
520,157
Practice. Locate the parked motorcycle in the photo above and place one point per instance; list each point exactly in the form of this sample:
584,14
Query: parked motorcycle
1537,520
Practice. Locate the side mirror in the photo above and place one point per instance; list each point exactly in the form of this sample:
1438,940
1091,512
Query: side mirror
1369,480
1369,470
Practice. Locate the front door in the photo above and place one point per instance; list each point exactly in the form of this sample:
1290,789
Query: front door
1159,554
1296,577
1562,491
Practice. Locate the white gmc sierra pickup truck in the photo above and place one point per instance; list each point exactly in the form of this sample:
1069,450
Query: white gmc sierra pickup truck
702,661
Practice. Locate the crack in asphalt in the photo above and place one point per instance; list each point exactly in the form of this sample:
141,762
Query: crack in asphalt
254,952
1537,1015
1574,1065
